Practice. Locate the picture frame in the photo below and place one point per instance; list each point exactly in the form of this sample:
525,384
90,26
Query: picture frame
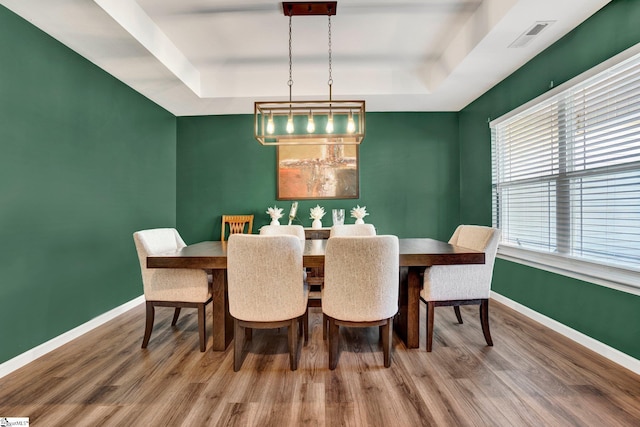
308,172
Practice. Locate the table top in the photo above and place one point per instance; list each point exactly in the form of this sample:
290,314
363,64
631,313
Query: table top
414,252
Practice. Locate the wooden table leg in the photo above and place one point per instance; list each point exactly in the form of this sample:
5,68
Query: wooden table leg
407,322
222,321
413,306
400,322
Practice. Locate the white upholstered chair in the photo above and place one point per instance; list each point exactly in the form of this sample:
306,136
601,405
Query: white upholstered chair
353,230
169,287
348,230
266,288
456,285
361,284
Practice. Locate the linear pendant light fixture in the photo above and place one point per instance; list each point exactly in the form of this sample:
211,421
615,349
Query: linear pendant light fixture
309,122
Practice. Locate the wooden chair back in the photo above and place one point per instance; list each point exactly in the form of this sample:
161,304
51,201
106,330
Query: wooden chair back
237,224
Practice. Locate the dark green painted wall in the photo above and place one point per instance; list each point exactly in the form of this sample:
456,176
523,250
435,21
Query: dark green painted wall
408,175
607,315
84,162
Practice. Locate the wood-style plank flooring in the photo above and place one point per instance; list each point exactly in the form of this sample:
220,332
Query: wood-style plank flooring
531,377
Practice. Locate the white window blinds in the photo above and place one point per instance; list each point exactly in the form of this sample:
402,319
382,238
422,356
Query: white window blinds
566,171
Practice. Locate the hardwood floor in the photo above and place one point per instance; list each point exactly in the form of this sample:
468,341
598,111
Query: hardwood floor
531,377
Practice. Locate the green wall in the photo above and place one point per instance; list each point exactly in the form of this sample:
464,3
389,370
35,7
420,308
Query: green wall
84,162
408,175
607,315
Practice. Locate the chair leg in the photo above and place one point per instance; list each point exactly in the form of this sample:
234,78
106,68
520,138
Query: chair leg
300,326
202,327
456,308
334,343
238,345
305,326
176,313
148,324
387,340
484,319
293,344
325,324
430,309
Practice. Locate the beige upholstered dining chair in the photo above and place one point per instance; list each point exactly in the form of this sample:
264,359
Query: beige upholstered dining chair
348,230
353,230
456,285
266,288
167,287
236,224
361,284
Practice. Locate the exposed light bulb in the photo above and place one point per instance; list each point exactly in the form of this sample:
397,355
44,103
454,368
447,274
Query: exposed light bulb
330,124
270,126
311,126
290,124
351,126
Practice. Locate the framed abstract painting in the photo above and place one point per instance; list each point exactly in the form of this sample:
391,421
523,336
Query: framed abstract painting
317,172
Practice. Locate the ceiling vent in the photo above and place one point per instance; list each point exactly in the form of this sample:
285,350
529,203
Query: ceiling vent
531,33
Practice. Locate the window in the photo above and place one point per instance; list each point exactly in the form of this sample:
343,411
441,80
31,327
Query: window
566,175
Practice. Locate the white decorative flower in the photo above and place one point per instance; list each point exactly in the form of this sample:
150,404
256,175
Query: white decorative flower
275,212
359,212
317,212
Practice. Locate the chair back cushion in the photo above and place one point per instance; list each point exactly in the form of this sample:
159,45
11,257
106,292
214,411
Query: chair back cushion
265,277
472,236
168,284
460,282
361,278
480,238
352,230
284,230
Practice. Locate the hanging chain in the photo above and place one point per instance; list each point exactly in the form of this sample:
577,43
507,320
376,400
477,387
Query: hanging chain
290,82
330,77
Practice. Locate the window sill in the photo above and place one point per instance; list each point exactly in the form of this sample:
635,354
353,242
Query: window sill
611,277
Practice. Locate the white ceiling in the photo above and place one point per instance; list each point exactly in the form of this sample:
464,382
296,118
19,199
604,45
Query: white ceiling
200,57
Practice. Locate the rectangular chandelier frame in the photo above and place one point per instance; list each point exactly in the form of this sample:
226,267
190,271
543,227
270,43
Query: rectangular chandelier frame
341,113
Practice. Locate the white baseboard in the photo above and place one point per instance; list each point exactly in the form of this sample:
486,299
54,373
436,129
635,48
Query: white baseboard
44,348
602,349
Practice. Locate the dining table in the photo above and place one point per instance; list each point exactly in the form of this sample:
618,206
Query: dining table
416,254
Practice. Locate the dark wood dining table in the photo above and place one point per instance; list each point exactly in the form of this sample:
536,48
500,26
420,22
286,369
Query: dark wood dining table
415,255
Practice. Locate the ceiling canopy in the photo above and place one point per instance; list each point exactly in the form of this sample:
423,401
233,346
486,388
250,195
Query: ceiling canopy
197,57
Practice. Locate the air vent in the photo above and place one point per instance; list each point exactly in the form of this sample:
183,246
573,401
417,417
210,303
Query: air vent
531,33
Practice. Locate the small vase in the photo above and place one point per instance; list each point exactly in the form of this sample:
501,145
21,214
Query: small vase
359,221
275,222
316,223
